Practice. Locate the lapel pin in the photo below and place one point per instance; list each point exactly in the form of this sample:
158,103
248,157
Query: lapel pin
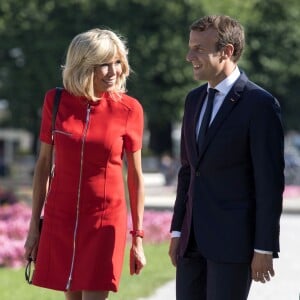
235,97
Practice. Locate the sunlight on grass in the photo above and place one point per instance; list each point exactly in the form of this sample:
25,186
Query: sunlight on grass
158,271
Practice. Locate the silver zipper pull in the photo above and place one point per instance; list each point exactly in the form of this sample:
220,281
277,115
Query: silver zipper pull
69,283
88,113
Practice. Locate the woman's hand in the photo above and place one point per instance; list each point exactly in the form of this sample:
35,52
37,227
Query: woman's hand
137,256
32,242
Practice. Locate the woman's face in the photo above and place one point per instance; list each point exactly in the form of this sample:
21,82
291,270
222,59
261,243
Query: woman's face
106,75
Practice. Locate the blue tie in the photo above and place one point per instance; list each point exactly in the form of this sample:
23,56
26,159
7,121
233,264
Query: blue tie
206,117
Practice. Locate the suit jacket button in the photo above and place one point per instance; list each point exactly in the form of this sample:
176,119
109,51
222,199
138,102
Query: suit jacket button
197,173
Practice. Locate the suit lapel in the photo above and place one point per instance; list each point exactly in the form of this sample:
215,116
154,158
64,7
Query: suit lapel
229,103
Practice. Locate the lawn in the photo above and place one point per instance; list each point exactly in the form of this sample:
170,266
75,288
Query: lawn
158,271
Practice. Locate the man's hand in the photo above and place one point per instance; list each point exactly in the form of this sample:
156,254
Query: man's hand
262,267
173,250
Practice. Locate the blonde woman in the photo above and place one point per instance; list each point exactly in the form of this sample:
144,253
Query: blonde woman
81,246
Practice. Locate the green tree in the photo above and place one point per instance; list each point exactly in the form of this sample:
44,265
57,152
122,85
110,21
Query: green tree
158,36
36,33
39,32
273,58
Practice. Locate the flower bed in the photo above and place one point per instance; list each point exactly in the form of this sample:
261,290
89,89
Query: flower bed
156,226
14,222
13,229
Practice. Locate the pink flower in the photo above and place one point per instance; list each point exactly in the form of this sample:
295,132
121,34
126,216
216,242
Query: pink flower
14,222
156,226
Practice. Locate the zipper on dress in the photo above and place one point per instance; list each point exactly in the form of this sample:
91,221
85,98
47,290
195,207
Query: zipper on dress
78,195
62,132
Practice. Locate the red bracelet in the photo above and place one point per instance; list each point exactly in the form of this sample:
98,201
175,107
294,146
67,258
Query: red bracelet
137,233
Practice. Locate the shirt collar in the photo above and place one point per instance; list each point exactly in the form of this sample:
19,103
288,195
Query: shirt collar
225,85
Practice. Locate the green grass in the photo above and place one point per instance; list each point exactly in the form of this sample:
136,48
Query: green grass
157,271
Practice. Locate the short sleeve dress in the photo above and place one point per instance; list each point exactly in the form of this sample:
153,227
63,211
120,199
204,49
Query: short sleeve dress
85,217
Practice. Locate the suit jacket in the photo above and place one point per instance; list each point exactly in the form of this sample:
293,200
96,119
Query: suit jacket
231,191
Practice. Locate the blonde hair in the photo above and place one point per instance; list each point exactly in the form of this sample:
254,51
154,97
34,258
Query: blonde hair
88,49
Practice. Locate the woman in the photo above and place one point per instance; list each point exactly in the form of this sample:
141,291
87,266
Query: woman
81,246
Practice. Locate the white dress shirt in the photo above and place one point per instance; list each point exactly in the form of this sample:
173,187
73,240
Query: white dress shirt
223,89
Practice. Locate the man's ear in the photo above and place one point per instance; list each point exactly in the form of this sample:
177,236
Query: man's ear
227,51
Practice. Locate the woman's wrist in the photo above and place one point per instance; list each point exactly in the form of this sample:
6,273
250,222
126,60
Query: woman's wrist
137,233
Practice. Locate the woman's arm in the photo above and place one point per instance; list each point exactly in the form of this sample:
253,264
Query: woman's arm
39,188
135,183
136,194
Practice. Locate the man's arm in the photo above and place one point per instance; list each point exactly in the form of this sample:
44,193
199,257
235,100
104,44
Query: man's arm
180,202
267,142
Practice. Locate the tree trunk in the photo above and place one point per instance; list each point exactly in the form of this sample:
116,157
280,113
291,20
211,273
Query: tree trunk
160,138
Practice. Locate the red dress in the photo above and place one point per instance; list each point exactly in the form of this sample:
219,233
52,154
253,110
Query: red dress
85,218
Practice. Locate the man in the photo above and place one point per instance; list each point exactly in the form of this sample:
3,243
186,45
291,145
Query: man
225,226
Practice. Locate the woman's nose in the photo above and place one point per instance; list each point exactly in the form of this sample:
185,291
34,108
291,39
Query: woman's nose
112,69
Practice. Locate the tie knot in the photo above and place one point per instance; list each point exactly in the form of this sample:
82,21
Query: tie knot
212,92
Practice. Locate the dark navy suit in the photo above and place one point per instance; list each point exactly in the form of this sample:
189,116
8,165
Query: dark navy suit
230,192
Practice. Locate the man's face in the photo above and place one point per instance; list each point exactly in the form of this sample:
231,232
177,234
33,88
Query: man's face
206,60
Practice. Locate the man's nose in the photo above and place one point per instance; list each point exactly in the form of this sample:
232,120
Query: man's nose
189,56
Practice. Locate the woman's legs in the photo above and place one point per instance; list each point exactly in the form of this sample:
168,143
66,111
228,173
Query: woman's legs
87,295
95,295
70,295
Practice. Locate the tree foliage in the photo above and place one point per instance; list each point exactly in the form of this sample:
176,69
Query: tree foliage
274,53
35,35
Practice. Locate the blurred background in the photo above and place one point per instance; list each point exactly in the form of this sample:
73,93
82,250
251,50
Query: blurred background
35,35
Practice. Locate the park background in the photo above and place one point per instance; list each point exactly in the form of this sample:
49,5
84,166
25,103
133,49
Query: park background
35,35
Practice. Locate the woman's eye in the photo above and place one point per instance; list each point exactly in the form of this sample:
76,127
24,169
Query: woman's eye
118,62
